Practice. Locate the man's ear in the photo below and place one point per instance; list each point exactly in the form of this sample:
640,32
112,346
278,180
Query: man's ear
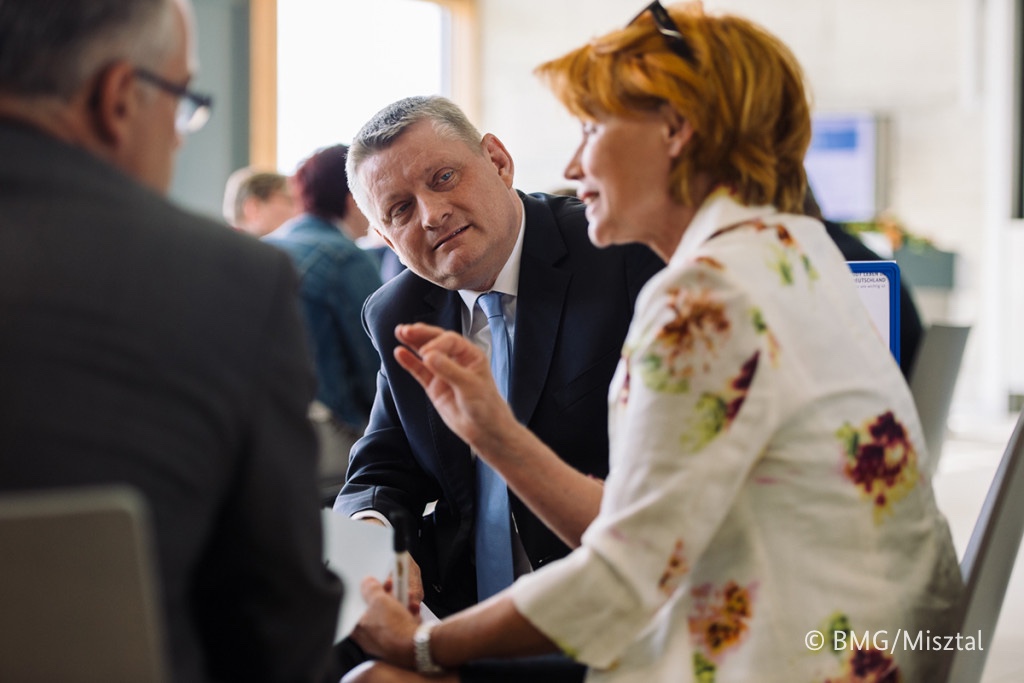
351,205
500,157
385,238
250,208
678,131
114,103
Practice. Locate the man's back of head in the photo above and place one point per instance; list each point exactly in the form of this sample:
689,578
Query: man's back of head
144,345
109,76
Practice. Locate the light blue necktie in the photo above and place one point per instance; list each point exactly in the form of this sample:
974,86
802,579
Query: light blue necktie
493,518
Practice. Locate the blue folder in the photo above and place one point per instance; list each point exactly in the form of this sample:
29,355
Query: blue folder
879,285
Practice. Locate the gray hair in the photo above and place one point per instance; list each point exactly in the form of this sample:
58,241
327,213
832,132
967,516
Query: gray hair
381,131
249,182
53,47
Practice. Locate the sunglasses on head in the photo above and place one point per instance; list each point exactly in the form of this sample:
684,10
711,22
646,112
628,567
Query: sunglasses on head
669,31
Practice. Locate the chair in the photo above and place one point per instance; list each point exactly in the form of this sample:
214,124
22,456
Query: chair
78,600
989,558
334,443
933,379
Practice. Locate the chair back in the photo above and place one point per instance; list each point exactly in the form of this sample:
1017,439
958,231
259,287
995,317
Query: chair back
932,381
989,559
78,600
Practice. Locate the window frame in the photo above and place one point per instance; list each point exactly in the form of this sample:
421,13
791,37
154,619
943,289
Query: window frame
1017,196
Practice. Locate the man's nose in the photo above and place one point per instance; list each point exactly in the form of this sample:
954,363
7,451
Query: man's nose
435,211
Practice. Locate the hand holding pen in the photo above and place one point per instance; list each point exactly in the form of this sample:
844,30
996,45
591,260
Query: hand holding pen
405,579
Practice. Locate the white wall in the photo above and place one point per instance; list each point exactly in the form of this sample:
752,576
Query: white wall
937,68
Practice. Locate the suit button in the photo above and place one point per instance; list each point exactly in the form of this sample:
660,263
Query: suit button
436,587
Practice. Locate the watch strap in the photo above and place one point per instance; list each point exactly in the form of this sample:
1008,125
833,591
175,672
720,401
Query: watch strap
425,663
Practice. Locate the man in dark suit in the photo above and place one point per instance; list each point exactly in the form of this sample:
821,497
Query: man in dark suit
143,345
442,197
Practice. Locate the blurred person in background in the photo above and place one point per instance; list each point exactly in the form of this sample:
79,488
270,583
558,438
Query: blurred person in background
258,202
336,277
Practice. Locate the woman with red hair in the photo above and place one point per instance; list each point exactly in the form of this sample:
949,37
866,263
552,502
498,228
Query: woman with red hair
765,502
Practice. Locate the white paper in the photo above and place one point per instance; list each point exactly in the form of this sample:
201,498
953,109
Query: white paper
874,290
426,616
353,550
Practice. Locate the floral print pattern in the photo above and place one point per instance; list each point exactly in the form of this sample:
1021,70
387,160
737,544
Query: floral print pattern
675,570
718,622
783,253
869,666
762,328
860,665
715,412
880,459
710,262
789,249
688,342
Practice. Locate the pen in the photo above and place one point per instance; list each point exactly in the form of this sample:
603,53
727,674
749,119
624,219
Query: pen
402,559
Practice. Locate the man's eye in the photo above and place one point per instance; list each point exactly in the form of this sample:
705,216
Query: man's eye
445,177
399,209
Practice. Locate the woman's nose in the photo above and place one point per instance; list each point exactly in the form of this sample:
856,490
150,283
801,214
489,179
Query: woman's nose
573,170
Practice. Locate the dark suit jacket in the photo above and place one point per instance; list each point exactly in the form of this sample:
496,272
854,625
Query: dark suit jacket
910,322
574,305
144,345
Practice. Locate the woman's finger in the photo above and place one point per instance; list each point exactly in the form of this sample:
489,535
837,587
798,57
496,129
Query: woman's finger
452,371
417,334
413,365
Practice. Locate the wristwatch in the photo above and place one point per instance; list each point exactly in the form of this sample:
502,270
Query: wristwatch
421,648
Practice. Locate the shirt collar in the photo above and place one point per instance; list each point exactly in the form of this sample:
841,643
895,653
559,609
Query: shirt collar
721,209
507,281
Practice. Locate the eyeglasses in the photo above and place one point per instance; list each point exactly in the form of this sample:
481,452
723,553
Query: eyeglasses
193,109
669,30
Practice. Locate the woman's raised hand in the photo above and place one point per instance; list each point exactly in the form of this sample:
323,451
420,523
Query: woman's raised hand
457,377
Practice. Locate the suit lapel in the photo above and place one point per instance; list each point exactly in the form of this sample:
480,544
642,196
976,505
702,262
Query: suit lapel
543,289
542,293
451,453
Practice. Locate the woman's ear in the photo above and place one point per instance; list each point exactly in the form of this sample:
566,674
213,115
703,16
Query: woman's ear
114,103
678,131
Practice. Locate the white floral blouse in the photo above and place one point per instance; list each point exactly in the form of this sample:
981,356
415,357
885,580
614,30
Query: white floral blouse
767,480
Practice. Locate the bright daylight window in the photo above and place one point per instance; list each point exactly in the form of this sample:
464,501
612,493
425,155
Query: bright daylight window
340,61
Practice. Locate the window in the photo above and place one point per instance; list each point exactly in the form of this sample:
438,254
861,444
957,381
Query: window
340,61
